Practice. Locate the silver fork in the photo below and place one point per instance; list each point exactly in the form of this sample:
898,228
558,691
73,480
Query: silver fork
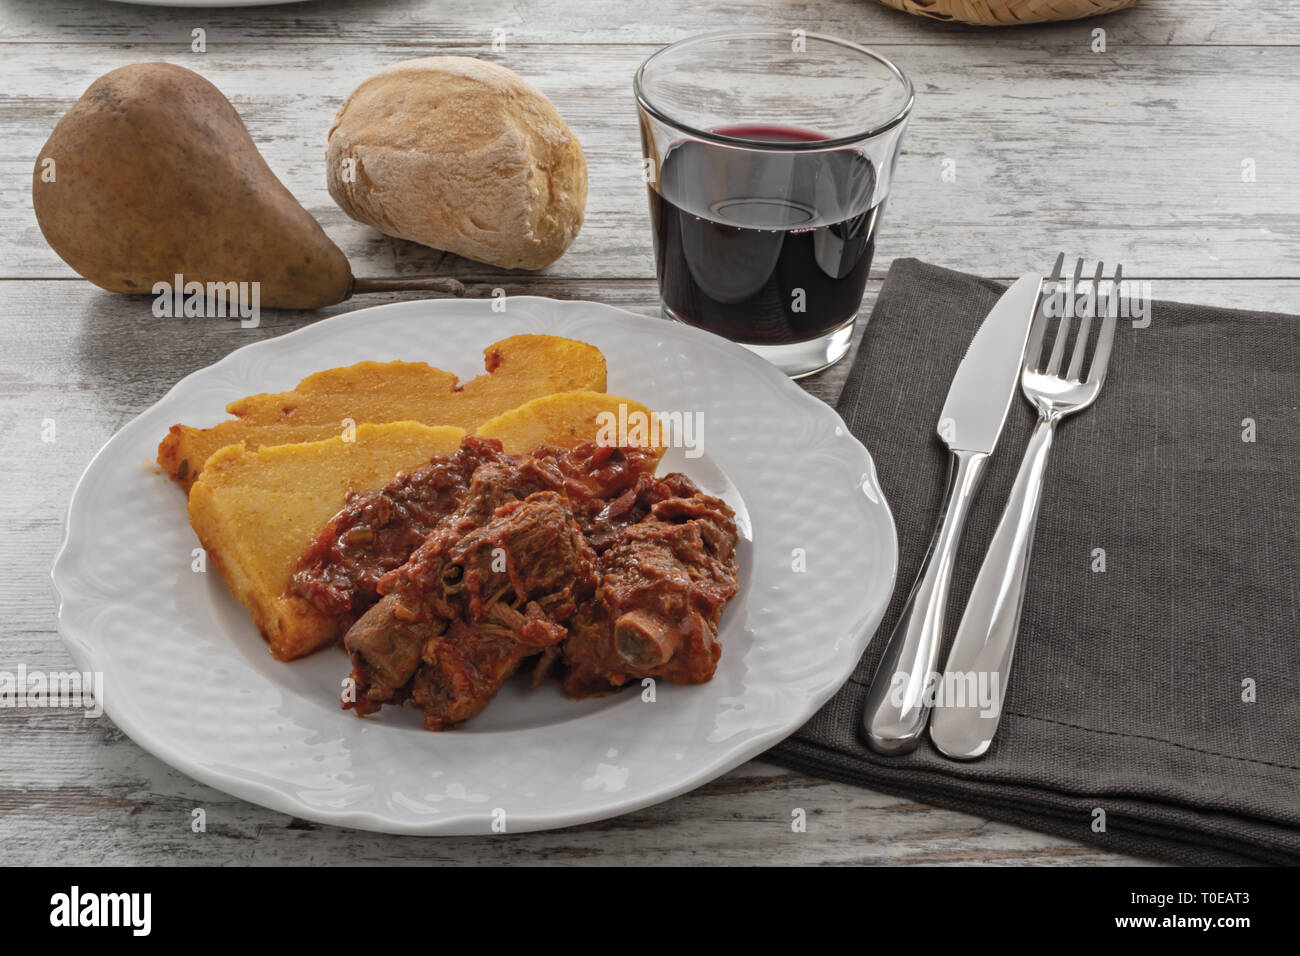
969,702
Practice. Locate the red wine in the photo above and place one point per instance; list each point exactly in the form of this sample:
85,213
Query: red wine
763,247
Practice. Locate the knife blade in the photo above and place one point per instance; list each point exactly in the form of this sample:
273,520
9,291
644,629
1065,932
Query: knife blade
986,379
899,699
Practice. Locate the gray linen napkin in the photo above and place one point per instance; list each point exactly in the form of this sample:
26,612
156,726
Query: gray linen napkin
1127,689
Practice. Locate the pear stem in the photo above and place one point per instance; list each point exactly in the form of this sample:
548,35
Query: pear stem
443,284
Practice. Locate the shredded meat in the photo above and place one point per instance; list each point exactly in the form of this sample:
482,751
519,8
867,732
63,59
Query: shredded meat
581,560
480,603
664,583
377,530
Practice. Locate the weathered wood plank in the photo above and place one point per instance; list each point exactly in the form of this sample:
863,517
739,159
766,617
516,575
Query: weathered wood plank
78,792
436,24
1134,156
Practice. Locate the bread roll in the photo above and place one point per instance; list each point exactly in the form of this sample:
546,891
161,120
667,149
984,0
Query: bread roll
461,155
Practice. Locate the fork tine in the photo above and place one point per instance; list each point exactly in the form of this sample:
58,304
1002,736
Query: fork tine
1034,348
1062,332
1063,326
1085,325
1101,358
1058,345
1056,269
1038,328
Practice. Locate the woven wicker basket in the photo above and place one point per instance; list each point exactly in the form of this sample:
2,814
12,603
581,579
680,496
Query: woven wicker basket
998,13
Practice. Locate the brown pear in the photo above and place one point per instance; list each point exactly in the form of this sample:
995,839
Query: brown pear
154,175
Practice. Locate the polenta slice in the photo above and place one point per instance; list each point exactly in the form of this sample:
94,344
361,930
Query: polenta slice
567,418
256,510
519,368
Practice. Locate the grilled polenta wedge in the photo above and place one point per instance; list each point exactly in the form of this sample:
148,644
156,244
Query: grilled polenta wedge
255,512
567,418
519,368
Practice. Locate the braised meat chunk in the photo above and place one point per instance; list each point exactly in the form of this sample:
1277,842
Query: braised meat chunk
377,530
385,647
664,583
476,604
581,560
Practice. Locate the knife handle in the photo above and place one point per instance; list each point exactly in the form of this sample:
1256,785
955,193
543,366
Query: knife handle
896,709
963,728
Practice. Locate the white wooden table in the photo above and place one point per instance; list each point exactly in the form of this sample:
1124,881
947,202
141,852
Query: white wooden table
1175,151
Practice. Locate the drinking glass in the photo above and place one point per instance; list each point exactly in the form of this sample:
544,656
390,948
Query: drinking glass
768,158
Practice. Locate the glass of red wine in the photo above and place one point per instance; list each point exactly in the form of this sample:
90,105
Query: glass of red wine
768,158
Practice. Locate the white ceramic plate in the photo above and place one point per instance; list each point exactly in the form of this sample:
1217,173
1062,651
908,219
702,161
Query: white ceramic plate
188,677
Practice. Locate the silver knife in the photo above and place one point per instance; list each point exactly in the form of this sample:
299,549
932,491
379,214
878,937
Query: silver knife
978,399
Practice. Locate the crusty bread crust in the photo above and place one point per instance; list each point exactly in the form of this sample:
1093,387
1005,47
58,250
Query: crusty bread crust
461,155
